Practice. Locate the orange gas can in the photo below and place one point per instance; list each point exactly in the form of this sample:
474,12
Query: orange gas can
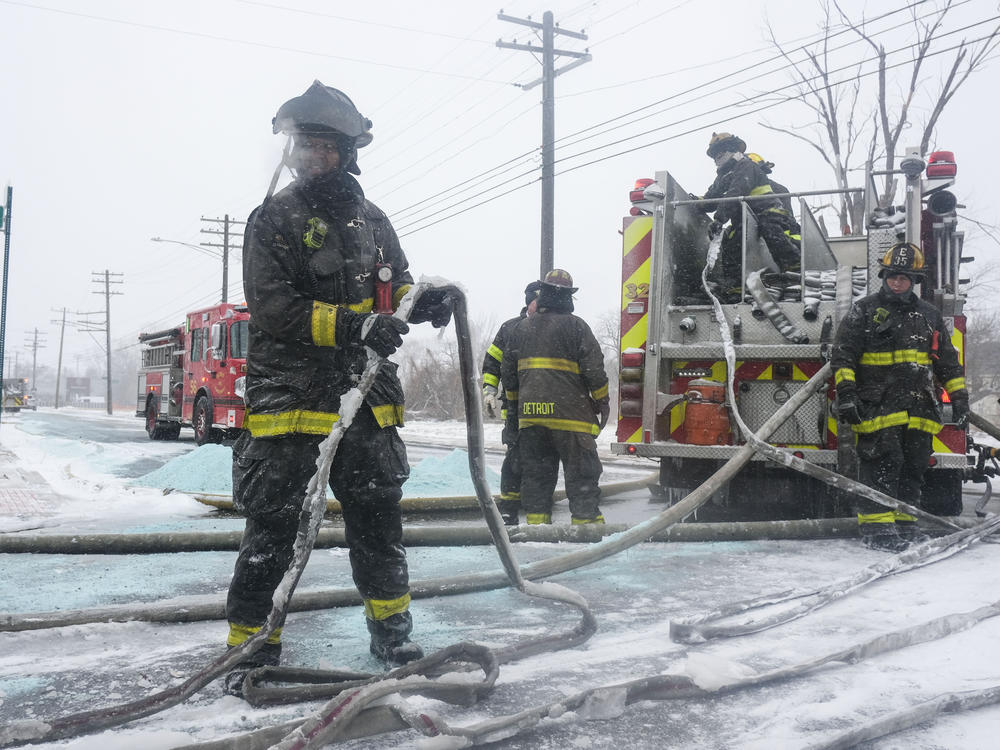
706,416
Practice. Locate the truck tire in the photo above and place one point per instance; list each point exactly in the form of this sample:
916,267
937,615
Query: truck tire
155,430
201,420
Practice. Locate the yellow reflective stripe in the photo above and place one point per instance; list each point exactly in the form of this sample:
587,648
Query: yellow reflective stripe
381,609
887,517
503,414
901,516
240,633
538,518
636,284
399,294
510,496
677,416
388,414
958,341
496,352
635,437
880,423
634,233
955,384
600,393
566,425
300,421
584,521
635,338
844,373
511,395
364,306
324,324
548,363
490,379
761,190
924,425
897,357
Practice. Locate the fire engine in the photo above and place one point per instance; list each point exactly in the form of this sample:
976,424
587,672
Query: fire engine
15,395
673,406
192,375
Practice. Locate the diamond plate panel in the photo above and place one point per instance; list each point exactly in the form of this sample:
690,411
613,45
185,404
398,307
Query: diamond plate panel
759,399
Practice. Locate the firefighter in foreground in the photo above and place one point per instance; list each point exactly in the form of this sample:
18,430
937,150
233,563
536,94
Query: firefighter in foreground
889,350
554,376
738,175
495,405
311,257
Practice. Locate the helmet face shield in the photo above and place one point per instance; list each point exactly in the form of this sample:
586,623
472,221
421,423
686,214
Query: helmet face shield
323,109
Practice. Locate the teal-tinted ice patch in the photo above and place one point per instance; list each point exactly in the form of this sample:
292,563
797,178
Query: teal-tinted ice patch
15,686
209,469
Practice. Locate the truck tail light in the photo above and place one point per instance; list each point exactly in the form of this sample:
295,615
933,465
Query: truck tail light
941,164
635,195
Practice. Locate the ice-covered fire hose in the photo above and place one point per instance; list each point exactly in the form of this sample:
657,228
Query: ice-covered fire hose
325,726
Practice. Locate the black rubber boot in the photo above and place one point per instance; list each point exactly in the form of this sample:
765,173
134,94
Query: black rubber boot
882,536
391,640
269,655
509,511
909,532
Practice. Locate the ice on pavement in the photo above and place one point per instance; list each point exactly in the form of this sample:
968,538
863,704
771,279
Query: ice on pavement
208,469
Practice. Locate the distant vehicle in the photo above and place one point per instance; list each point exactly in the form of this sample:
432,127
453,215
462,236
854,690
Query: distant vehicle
14,394
31,401
192,375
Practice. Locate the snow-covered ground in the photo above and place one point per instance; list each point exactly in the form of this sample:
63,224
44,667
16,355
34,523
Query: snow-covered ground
634,595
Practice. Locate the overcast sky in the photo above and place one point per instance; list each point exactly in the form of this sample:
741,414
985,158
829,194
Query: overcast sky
131,120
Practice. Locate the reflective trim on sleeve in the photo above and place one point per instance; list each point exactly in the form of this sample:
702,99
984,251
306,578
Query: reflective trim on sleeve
535,519
955,384
496,352
511,395
238,634
490,379
382,609
283,423
761,190
897,357
600,393
388,414
324,324
399,294
566,425
844,373
547,363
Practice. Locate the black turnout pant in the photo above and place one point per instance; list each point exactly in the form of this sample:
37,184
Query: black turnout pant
270,476
541,451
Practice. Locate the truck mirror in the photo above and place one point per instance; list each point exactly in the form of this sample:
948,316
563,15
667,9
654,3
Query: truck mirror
217,341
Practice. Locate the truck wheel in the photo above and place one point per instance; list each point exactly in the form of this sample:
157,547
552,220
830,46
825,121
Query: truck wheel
201,420
155,431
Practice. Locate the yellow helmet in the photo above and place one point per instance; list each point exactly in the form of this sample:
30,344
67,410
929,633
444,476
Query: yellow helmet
755,158
903,257
722,142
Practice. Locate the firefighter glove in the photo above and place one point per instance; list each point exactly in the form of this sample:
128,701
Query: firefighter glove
382,333
434,305
847,409
714,229
960,411
603,411
491,404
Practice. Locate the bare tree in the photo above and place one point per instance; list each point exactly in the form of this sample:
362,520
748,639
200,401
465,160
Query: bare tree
856,123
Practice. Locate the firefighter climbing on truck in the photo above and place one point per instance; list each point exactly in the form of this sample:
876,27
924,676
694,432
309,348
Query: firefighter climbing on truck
738,175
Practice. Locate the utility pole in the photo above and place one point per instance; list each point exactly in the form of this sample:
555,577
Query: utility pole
225,232
62,334
549,73
34,345
5,213
108,281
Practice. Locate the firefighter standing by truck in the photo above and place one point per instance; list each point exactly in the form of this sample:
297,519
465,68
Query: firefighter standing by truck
554,376
738,175
311,259
495,405
889,349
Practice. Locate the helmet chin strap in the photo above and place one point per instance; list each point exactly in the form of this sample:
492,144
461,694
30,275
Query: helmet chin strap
277,170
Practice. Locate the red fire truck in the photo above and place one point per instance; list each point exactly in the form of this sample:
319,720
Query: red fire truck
673,406
192,375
